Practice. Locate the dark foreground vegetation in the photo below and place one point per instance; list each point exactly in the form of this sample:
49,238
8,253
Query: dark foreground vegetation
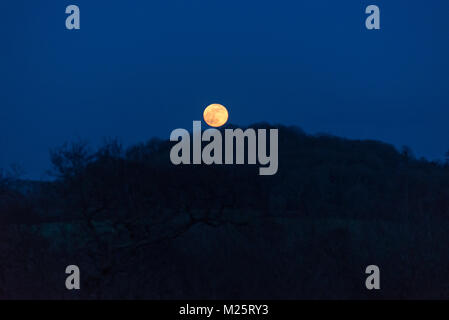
139,227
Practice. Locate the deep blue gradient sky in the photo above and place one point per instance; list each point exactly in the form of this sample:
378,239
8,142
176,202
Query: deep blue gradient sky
139,69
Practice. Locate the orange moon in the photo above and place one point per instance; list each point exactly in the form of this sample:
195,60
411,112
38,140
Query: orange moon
215,115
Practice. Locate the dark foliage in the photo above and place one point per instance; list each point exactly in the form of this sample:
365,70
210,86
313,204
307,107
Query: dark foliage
140,227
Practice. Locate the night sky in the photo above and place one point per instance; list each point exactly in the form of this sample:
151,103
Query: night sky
139,69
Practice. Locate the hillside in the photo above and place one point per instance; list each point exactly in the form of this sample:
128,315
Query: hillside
140,227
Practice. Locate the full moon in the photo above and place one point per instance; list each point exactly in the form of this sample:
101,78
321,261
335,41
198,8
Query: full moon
215,115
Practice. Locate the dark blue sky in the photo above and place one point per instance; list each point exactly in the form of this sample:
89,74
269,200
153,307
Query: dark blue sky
138,69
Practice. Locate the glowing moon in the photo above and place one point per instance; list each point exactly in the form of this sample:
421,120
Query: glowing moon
215,115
